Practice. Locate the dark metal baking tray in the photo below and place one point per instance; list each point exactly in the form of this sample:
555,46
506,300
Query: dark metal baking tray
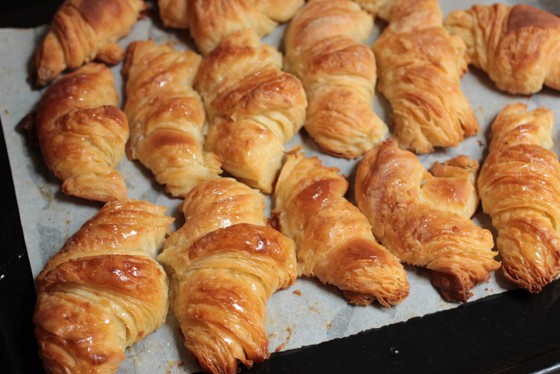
514,332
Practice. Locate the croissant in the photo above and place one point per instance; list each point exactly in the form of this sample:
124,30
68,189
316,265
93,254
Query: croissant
175,13
423,217
84,30
405,15
103,291
82,134
166,116
210,21
333,238
324,48
519,188
420,65
518,46
253,107
224,264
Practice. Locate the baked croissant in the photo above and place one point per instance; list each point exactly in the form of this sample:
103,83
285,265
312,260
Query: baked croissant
519,188
253,107
518,46
420,65
423,217
103,291
324,48
82,133
224,264
166,116
333,238
210,21
82,31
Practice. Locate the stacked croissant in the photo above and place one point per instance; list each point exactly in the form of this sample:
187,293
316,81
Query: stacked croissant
212,127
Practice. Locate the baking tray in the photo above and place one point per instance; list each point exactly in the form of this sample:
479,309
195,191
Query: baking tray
512,331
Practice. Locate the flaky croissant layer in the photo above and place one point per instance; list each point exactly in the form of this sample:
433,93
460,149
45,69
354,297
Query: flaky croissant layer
103,291
518,46
519,188
224,265
167,116
82,133
424,217
333,238
420,65
253,107
83,31
325,49
211,21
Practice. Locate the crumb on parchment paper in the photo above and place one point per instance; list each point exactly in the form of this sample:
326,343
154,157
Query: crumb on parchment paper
286,341
314,309
172,364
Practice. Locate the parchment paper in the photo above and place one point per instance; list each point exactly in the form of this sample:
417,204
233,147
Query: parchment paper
305,314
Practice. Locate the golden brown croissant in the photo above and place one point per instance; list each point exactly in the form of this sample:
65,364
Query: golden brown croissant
175,13
405,15
82,133
166,116
224,264
519,187
82,31
210,21
420,65
253,107
519,46
324,48
103,291
423,218
333,238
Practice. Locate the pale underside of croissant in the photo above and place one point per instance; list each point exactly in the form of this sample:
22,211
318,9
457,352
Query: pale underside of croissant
519,46
210,21
224,265
324,48
82,133
333,238
424,217
166,116
519,188
420,65
103,291
82,31
253,107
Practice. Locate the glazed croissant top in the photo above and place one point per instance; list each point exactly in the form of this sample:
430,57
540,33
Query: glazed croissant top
253,107
166,116
325,49
520,188
210,206
82,31
424,217
519,46
103,291
419,66
213,205
210,21
82,133
224,264
333,238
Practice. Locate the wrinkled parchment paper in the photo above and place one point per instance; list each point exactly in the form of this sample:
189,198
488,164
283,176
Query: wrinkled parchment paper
305,314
